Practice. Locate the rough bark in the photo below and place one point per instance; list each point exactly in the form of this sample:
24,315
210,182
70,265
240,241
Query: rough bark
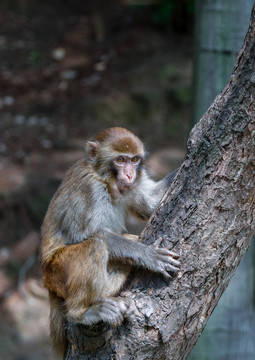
220,30
206,216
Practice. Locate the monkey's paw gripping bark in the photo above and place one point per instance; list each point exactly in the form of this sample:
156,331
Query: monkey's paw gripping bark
127,307
162,260
108,310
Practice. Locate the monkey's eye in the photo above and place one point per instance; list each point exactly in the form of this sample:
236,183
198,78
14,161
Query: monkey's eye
120,159
135,159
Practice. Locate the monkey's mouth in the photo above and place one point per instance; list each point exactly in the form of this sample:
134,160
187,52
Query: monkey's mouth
123,187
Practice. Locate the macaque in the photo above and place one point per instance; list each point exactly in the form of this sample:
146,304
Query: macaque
86,253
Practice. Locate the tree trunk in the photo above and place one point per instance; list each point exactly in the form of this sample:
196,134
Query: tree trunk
229,333
206,216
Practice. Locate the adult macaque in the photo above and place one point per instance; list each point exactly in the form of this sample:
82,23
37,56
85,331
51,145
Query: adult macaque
86,254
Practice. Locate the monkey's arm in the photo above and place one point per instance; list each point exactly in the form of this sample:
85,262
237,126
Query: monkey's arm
149,194
167,180
148,256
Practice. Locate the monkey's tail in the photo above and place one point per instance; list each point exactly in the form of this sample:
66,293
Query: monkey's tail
57,324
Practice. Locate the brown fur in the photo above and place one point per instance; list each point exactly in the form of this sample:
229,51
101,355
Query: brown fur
121,140
57,323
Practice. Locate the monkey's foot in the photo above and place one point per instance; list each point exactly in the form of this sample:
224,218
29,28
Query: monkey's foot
127,307
108,310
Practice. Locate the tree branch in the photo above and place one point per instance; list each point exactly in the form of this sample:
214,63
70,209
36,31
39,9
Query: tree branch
208,217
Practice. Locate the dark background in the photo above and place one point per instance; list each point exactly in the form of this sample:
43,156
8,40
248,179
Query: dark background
69,69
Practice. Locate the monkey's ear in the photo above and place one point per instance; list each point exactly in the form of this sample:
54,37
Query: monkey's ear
92,150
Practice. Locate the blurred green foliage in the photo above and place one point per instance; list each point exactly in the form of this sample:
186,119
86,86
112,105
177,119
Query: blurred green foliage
34,57
166,11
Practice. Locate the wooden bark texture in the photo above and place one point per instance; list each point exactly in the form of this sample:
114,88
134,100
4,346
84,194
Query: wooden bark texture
208,217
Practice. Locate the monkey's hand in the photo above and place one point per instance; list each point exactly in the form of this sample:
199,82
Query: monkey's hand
161,260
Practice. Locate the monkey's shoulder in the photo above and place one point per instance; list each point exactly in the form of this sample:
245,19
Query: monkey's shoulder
81,189
80,176
79,170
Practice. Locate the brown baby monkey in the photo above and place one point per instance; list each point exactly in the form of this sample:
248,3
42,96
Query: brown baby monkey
86,253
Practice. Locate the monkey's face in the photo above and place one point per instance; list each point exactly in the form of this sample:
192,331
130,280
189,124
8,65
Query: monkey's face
126,169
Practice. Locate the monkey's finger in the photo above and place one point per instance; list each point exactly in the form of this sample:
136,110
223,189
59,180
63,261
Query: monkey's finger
171,253
158,242
162,269
168,253
174,255
169,261
173,268
165,274
175,262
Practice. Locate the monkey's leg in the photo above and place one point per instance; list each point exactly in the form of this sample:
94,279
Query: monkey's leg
88,284
118,272
111,309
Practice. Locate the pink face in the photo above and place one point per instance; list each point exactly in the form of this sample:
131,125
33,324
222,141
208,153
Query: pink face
126,168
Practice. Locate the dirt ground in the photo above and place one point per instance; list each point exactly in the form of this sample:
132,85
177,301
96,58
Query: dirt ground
67,71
